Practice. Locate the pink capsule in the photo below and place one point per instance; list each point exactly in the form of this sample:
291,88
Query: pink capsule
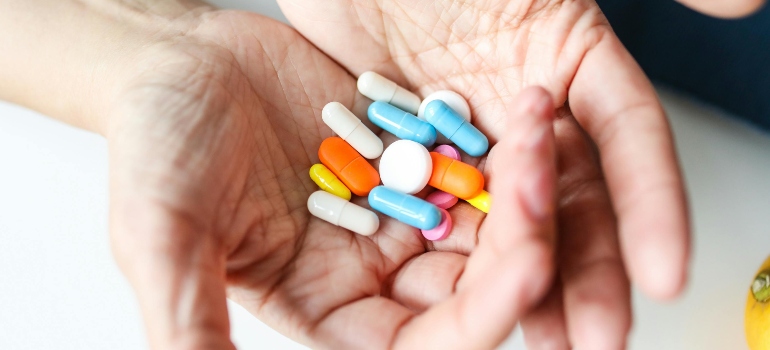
442,230
448,151
441,199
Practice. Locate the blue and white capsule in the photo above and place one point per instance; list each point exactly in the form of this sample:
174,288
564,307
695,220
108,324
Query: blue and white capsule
402,124
456,128
406,208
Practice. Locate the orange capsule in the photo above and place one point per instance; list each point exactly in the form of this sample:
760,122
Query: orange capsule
349,166
455,177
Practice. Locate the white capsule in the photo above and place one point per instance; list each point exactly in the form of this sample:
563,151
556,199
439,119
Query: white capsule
340,212
378,88
345,124
406,166
451,98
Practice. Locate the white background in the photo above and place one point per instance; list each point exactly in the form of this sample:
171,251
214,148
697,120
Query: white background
61,289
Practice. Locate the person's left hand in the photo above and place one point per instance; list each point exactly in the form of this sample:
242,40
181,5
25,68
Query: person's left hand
211,137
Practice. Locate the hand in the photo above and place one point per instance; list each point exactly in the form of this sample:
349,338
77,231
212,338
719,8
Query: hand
724,8
211,139
489,51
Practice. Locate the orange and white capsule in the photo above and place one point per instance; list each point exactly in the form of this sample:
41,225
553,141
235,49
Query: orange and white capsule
455,177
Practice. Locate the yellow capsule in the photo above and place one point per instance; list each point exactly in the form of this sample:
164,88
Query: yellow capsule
483,201
327,181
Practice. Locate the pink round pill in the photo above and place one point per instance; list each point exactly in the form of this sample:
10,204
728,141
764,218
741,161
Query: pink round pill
448,151
442,230
441,199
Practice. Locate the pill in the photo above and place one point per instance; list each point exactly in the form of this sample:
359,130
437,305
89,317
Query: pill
457,129
354,171
340,212
347,126
405,166
378,88
448,151
327,181
406,208
441,199
402,124
455,177
442,230
483,201
451,98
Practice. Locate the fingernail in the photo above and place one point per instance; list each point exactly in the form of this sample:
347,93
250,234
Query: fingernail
537,193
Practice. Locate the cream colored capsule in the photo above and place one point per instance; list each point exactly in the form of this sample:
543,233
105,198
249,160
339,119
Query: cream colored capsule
327,181
379,88
483,201
345,124
340,212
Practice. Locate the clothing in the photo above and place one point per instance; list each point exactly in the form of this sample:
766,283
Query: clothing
723,62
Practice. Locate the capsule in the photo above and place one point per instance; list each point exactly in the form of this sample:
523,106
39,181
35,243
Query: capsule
402,124
408,209
450,124
347,126
451,98
340,212
327,181
455,177
354,171
483,201
378,88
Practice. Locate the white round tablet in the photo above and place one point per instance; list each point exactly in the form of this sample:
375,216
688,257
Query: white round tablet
406,166
451,98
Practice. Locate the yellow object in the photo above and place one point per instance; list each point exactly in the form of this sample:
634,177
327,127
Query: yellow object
325,179
483,201
757,318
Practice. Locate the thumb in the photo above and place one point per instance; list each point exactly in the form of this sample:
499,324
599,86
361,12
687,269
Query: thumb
177,272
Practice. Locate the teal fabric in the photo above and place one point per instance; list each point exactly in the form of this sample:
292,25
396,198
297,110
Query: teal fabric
723,62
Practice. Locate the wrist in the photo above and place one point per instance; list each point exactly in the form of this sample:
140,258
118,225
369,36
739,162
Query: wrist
69,59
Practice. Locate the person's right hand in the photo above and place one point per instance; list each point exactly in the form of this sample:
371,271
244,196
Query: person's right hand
623,212
724,8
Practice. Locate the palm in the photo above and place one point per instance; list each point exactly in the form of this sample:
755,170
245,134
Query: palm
489,51
222,139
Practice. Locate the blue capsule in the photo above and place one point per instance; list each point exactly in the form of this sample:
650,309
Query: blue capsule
406,208
402,124
456,128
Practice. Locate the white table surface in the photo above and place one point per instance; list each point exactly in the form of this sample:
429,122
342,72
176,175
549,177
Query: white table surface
61,289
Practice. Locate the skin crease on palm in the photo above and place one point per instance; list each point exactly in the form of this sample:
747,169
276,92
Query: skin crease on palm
214,120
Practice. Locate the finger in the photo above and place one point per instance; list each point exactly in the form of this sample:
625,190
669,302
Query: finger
724,8
177,274
616,104
545,327
511,268
464,235
522,168
596,290
426,280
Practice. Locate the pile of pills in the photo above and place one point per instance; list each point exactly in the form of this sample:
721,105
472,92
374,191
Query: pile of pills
406,166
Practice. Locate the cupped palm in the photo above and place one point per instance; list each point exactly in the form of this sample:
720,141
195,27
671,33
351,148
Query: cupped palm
210,144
